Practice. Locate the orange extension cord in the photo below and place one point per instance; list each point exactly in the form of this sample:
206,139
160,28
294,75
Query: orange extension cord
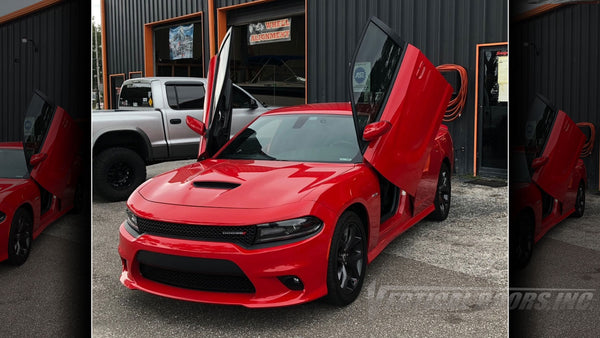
588,146
456,105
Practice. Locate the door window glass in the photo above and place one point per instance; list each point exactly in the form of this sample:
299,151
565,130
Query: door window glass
37,122
185,96
375,67
239,99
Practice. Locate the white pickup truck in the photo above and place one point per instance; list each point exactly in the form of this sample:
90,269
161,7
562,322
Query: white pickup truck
149,127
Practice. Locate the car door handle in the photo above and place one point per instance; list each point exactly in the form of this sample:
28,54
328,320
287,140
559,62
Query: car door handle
175,121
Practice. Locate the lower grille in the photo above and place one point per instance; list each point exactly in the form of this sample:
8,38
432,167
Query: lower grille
198,281
194,273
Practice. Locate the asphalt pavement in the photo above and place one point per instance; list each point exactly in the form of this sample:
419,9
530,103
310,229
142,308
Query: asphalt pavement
565,264
49,295
437,279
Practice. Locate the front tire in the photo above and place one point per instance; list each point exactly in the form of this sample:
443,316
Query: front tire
118,172
20,237
443,195
580,201
521,241
347,260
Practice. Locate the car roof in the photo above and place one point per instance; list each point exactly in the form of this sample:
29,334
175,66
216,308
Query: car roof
339,108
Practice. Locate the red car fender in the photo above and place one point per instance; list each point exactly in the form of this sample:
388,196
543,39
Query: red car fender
23,192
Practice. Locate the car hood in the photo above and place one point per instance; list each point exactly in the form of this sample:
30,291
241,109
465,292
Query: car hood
241,184
10,185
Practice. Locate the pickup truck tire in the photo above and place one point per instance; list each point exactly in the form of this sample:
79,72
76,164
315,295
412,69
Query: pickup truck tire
117,172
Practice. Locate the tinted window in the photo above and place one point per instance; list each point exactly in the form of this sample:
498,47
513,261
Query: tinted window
37,122
185,96
239,99
137,94
298,137
171,96
375,67
190,97
13,164
540,119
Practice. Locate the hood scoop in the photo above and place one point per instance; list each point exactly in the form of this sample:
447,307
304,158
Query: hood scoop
216,185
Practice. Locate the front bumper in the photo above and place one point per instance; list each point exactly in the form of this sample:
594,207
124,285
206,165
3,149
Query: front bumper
157,264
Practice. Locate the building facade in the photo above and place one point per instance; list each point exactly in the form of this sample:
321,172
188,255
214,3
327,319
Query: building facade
305,47
43,47
557,57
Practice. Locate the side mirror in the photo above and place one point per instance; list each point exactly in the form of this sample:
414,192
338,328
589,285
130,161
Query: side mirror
195,125
538,162
375,130
253,104
37,159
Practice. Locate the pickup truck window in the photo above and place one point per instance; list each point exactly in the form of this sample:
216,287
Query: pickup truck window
186,96
239,99
136,95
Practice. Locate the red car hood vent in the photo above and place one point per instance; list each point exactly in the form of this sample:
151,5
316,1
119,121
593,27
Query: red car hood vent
216,185
241,184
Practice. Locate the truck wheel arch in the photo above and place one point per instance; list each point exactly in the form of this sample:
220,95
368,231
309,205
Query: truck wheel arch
134,139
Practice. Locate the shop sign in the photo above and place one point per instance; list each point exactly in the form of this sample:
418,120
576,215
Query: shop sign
270,31
181,42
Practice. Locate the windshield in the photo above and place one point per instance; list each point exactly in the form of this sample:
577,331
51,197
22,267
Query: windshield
13,164
298,137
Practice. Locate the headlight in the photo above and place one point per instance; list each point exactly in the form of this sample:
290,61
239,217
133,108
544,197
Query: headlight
2,216
132,220
293,228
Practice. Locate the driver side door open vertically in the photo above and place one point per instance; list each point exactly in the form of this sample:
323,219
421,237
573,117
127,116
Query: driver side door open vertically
400,97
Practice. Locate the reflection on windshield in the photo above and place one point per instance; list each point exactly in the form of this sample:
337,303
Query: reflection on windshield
12,164
298,137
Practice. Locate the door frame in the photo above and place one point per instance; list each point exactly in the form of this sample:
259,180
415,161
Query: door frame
476,110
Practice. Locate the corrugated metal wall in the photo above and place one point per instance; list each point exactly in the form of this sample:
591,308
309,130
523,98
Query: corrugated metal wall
447,31
59,68
124,29
556,54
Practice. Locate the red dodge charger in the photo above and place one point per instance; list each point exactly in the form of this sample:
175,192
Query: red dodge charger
295,205
38,178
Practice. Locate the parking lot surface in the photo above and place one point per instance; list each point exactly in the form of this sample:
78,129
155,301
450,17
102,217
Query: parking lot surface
49,295
565,261
437,279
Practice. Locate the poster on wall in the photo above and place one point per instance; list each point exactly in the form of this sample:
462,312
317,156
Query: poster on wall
270,31
181,42
503,77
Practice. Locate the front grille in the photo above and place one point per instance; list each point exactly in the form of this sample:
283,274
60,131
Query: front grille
243,235
217,275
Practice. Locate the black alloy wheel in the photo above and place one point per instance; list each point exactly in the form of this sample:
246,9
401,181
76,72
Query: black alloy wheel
580,201
521,241
118,172
20,237
347,260
443,194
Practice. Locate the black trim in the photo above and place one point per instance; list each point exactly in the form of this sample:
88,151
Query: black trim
189,264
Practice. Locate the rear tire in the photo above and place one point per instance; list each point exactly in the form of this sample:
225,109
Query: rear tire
118,172
580,201
20,237
443,195
347,260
